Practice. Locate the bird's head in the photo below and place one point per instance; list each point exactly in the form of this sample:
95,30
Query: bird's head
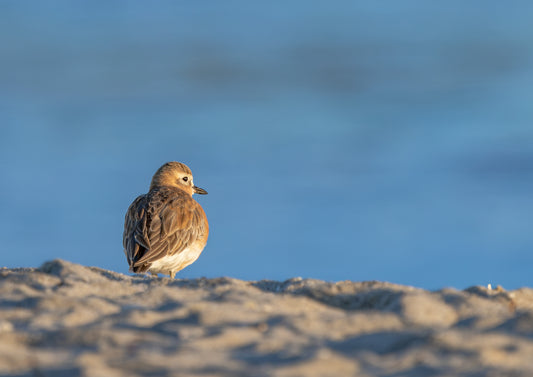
175,174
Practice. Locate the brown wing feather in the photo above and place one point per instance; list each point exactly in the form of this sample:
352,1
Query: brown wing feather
166,222
134,238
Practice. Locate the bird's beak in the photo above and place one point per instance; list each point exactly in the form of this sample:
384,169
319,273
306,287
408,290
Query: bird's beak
199,190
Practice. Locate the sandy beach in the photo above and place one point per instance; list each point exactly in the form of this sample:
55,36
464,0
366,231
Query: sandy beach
64,319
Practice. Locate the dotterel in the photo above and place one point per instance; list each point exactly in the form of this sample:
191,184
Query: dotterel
165,230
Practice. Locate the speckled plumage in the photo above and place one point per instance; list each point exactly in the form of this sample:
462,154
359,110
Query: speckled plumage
165,230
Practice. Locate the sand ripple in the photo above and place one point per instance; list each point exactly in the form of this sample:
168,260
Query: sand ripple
64,319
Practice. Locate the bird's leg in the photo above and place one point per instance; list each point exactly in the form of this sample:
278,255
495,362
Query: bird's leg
153,273
172,274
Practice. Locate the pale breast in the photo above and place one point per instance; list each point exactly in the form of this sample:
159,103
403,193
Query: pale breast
177,261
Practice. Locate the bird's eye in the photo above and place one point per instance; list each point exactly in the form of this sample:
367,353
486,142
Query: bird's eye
185,179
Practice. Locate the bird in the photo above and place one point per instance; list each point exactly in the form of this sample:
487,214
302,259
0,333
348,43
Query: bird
165,230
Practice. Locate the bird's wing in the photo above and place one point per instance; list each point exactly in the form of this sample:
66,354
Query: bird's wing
135,239
174,223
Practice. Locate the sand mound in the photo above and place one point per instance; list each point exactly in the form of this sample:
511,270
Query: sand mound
64,319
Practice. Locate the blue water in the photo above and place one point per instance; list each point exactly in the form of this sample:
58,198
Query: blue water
356,140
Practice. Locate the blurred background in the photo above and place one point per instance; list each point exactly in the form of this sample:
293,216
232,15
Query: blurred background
339,141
